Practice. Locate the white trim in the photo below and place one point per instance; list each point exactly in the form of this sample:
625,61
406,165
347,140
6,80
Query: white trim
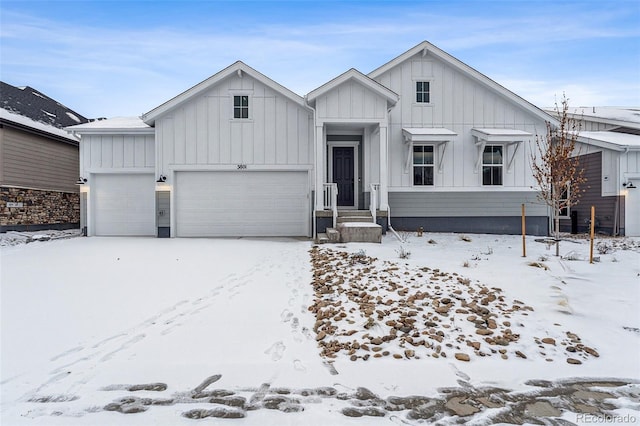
501,165
432,165
93,170
414,102
234,167
484,188
249,95
356,165
353,74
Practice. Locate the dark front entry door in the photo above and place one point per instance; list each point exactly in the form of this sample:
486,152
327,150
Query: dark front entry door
343,174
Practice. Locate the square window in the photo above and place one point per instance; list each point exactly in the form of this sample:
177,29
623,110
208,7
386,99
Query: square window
492,162
423,165
422,92
241,106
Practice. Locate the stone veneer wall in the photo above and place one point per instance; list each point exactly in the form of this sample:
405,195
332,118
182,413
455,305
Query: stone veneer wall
40,209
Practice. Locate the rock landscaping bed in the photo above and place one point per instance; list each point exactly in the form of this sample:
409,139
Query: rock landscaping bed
545,403
367,309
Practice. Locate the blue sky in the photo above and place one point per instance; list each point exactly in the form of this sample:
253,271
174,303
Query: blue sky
124,58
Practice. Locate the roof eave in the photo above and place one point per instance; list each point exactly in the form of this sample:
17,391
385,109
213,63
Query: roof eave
607,145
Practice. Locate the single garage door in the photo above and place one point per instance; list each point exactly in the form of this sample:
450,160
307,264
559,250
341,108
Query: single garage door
124,204
242,204
632,212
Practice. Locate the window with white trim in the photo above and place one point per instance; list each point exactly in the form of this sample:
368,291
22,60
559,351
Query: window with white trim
423,160
492,165
241,106
422,92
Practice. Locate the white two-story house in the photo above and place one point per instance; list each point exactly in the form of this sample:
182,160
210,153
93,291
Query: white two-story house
422,141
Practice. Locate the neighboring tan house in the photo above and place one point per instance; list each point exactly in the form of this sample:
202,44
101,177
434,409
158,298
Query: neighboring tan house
423,141
38,162
609,151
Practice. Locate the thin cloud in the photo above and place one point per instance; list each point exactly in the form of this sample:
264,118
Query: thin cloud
106,71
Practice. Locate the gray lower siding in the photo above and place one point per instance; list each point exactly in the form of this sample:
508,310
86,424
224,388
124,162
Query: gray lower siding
473,212
536,225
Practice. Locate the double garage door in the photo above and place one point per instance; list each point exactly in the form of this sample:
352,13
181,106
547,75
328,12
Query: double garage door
123,204
242,203
207,204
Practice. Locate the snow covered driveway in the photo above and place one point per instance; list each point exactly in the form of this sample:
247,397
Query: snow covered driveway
93,326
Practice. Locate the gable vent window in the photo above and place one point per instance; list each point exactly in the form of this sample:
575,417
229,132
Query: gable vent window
422,92
492,165
241,106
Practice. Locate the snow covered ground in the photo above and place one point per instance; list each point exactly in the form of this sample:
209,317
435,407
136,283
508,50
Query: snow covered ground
171,330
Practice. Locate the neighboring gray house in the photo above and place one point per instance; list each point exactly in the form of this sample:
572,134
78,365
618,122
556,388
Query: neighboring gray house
423,141
38,161
609,151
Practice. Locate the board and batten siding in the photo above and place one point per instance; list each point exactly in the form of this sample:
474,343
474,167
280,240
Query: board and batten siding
204,132
116,152
351,100
458,103
33,161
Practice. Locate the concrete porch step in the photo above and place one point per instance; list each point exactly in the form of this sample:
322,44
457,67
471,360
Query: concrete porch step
322,238
353,213
343,219
360,232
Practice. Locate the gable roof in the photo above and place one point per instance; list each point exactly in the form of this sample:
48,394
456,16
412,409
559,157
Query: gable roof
354,74
238,67
35,105
425,48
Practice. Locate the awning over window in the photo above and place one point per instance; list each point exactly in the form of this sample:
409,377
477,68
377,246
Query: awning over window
428,134
500,135
438,136
508,137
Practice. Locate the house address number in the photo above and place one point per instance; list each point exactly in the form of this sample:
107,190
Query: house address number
242,166
15,205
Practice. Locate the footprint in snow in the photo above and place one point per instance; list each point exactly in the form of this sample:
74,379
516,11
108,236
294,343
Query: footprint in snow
276,350
298,365
286,315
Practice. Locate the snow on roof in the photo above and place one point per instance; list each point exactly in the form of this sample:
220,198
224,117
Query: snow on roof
614,113
37,125
622,140
119,124
629,116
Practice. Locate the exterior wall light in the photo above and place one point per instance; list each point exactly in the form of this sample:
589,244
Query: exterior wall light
629,185
161,179
81,181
